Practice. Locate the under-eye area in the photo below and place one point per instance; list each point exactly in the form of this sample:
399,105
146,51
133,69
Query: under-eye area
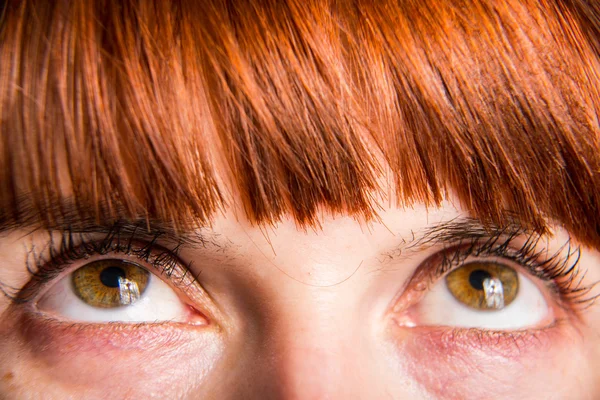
454,293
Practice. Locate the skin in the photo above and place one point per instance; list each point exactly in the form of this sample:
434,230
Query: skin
286,313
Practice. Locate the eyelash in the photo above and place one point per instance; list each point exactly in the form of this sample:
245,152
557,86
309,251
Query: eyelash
46,264
560,269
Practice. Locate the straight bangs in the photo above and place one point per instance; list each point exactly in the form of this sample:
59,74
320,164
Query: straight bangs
171,110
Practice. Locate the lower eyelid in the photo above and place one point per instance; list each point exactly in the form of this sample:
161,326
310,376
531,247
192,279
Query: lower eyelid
467,342
51,334
447,360
104,358
77,249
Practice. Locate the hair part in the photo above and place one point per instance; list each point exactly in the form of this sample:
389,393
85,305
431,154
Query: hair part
167,109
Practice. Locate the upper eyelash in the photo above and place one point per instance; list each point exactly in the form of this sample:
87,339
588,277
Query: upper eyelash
560,268
47,263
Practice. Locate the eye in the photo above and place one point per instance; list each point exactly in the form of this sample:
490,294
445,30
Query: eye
486,295
115,290
484,285
110,283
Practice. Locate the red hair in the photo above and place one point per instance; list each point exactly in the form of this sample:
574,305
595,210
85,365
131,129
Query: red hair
167,109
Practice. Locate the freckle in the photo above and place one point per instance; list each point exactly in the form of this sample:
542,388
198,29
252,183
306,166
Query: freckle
8,377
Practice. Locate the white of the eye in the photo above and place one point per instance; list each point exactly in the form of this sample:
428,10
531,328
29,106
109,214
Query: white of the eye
157,303
439,307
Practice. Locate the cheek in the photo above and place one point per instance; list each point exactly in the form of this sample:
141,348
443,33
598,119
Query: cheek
133,360
461,363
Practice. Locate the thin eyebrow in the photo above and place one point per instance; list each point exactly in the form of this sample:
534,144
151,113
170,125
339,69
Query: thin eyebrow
149,231
467,228
456,231
67,217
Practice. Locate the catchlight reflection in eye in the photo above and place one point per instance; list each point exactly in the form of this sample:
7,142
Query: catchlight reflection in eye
485,295
113,290
110,283
484,285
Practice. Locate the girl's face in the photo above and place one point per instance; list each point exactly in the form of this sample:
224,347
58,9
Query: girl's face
398,308
299,199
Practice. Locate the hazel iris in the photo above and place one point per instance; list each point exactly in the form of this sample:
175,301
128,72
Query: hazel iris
110,283
466,283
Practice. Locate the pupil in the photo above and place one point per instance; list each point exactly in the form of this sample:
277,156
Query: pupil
477,277
110,276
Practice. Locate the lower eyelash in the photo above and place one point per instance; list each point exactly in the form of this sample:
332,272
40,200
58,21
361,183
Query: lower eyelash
560,269
47,263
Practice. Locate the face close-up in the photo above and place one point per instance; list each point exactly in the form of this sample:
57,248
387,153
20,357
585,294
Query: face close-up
221,199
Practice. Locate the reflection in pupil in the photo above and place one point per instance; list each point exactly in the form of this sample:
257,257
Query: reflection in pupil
110,276
477,277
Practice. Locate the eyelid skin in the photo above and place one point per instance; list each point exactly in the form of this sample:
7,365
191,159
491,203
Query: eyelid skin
457,358
142,239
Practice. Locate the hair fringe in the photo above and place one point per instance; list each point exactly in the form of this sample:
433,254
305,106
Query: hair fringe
169,110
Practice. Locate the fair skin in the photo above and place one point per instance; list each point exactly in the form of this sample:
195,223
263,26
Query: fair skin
333,312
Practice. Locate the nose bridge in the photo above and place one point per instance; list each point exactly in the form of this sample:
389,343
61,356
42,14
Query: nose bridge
314,348
306,349
307,371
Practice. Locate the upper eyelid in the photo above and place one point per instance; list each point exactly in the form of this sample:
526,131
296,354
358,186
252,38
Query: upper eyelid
467,237
47,260
91,233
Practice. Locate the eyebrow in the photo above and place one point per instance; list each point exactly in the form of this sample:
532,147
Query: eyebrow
457,230
67,217
149,231
468,227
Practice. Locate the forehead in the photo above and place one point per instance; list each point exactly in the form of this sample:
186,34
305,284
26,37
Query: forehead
172,110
